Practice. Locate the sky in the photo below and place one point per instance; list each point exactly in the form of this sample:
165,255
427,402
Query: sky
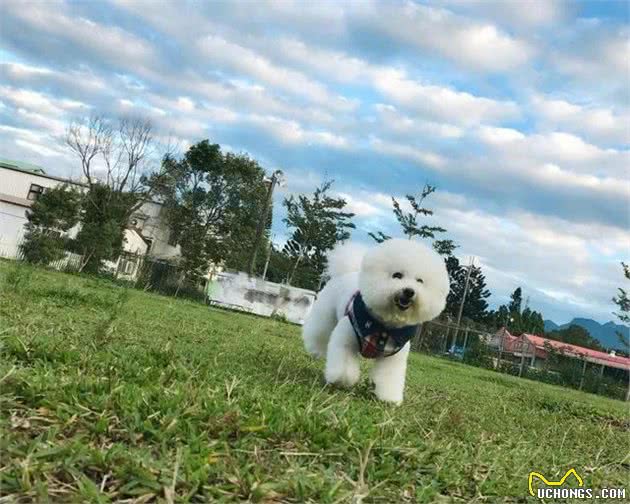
519,113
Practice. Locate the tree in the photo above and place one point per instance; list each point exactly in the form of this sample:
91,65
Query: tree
104,218
54,213
409,220
318,223
516,301
475,305
117,160
623,302
212,202
379,236
444,247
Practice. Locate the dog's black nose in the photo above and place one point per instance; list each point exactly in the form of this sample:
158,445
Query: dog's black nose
408,293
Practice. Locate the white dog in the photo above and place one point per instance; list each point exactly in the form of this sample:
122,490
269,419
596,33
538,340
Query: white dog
372,306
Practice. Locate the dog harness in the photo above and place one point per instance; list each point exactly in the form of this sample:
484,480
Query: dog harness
375,338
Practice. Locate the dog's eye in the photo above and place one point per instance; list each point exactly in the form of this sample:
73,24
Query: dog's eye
419,280
397,275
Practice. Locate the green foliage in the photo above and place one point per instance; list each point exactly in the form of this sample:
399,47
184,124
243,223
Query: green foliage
516,320
379,236
213,201
477,353
444,247
54,213
475,304
516,300
409,220
115,398
318,223
623,302
105,215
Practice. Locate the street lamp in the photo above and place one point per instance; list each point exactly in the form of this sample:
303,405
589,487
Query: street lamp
507,319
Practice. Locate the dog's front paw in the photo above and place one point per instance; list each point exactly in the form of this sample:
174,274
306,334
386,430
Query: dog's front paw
389,396
345,377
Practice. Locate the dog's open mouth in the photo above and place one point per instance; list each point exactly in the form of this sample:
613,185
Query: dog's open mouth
402,302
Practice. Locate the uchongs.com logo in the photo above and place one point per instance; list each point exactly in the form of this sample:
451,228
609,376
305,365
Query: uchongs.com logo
563,489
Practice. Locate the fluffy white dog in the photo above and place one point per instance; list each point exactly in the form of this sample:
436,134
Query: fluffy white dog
372,306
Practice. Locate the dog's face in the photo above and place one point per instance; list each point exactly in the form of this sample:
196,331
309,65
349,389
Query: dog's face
403,282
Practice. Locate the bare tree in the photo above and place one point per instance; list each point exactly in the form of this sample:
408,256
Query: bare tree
89,139
122,163
122,155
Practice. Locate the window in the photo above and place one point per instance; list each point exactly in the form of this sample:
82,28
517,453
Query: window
35,192
149,244
127,265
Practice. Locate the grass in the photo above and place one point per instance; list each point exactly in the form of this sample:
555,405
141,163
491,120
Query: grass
115,395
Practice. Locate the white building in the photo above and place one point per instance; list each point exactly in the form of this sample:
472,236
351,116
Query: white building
22,183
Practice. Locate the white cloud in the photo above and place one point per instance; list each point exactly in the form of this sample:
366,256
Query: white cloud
499,136
247,61
400,124
360,207
601,124
474,45
405,151
522,16
569,151
291,132
108,42
595,55
442,102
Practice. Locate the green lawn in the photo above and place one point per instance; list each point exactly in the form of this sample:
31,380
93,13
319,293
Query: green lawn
110,394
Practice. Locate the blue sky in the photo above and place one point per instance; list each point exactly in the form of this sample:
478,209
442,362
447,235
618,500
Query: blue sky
519,112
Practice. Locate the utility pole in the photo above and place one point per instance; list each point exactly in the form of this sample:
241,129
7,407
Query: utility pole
262,221
264,275
461,305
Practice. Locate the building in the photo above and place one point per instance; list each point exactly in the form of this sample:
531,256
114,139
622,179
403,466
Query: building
536,349
22,183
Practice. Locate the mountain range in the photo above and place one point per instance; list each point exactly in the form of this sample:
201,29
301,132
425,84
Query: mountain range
606,333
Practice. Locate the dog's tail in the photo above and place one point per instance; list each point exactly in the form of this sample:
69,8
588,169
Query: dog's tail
345,258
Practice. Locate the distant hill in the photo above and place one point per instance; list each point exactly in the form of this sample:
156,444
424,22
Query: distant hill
606,333
550,325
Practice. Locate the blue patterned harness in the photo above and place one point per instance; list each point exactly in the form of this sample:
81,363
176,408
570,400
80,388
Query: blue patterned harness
375,338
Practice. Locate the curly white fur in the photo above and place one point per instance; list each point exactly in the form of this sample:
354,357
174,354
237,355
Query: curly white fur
327,332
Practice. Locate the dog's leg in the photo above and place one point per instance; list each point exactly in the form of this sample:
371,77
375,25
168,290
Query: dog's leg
388,375
319,324
316,331
342,362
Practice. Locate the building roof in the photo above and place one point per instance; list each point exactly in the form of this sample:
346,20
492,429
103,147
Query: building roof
21,166
579,352
32,169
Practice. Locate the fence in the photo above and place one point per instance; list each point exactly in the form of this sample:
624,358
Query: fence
133,270
13,250
529,357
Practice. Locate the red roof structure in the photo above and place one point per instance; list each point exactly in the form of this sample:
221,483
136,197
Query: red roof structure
588,354
531,344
